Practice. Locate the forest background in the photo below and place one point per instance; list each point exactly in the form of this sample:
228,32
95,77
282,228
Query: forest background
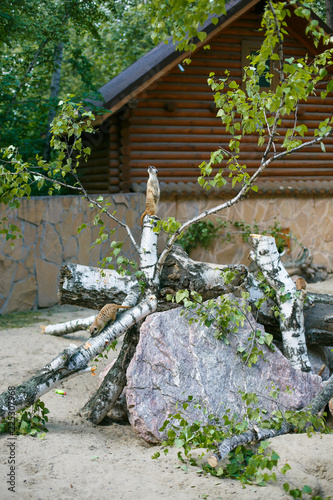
51,48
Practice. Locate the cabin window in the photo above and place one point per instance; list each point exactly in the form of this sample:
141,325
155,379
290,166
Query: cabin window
250,48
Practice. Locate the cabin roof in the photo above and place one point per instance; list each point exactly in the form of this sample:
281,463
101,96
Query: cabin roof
125,86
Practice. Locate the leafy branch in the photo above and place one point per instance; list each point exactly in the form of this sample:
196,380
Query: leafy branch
67,128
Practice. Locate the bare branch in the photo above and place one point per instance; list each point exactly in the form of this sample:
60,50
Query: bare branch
97,204
243,191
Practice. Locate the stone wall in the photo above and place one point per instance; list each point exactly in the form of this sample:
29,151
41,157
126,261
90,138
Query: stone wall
30,270
309,218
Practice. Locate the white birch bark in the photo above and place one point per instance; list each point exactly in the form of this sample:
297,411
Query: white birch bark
290,301
115,380
73,361
68,327
148,250
94,287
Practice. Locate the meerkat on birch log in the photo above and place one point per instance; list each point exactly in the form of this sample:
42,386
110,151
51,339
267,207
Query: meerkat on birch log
152,194
106,314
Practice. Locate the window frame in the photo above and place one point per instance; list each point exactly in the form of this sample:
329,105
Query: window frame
254,44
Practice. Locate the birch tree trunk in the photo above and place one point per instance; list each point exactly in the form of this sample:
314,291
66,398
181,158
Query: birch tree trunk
114,382
290,301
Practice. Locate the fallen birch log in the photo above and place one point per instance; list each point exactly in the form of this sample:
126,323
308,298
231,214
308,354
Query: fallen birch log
92,287
258,434
114,382
72,361
68,327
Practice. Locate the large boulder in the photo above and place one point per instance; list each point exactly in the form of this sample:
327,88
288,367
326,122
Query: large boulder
175,360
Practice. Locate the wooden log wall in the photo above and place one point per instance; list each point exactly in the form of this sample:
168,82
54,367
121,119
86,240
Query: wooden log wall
100,174
174,126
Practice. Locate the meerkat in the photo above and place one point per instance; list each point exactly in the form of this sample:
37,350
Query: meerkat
107,313
299,282
153,193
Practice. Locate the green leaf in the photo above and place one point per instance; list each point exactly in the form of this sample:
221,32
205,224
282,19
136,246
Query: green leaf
285,468
307,490
181,295
286,487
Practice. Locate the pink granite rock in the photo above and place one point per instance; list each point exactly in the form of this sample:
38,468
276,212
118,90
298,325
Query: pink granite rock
175,360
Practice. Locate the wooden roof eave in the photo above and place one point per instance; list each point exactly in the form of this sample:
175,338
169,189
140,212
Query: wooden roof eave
167,57
171,59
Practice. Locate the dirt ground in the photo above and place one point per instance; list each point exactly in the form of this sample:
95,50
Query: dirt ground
79,460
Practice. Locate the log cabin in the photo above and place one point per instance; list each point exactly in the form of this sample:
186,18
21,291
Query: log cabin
162,113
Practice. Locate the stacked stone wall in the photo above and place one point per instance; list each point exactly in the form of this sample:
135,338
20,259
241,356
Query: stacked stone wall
30,270
309,219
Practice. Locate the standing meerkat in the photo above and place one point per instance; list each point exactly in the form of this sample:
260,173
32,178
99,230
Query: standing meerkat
107,313
153,193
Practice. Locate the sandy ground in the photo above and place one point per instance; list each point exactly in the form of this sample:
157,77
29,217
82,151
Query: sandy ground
78,460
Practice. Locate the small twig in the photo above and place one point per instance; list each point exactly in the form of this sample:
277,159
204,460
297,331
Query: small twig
295,121
97,204
269,130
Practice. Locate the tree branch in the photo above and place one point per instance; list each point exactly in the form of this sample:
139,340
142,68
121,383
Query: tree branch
258,434
114,381
72,361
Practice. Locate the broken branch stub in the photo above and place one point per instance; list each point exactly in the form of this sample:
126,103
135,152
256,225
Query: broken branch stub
289,300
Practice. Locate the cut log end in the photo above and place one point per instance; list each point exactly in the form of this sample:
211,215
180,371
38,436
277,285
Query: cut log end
213,461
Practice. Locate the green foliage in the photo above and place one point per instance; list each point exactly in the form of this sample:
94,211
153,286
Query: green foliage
225,315
204,233
169,226
201,233
105,353
246,463
126,34
182,19
89,31
18,177
30,422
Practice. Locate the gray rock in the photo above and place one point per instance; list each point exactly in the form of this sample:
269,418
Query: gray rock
175,360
